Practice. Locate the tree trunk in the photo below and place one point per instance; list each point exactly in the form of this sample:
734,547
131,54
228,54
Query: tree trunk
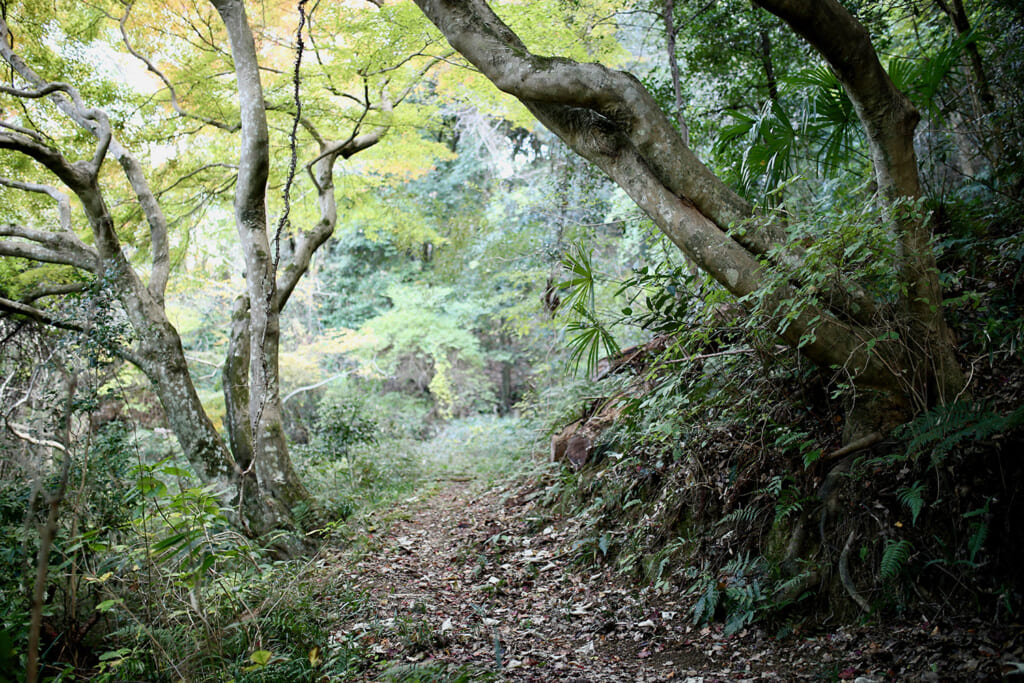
609,118
259,482
235,381
278,483
889,119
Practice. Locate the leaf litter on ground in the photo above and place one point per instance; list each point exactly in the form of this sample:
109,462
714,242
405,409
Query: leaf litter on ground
457,580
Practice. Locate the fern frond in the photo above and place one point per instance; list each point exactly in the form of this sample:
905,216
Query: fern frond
894,558
943,428
913,497
740,516
704,609
979,531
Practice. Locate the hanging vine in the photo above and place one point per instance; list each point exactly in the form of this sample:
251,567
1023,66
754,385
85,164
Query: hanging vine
283,222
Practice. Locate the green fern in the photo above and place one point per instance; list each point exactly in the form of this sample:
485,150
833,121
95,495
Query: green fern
979,531
943,428
739,516
785,587
704,609
894,557
913,497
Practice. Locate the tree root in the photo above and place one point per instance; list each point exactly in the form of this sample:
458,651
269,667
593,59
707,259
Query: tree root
860,444
844,574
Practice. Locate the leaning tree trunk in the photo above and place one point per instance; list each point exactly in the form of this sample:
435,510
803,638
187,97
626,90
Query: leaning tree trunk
609,118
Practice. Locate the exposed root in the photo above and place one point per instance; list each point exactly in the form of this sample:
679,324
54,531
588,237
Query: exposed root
828,494
844,574
860,444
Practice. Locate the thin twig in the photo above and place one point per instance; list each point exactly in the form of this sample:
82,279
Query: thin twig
312,386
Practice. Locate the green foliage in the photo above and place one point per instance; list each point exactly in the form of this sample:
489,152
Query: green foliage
894,558
770,145
800,441
736,591
357,272
340,427
978,531
939,431
922,77
913,498
591,339
446,363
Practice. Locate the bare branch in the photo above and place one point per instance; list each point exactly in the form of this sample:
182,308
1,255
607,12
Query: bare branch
418,77
310,387
195,172
612,103
49,247
23,433
76,176
37,314
308,242
21,129
63,201
311,129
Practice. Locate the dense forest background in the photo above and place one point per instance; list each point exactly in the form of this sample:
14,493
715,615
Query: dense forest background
267,268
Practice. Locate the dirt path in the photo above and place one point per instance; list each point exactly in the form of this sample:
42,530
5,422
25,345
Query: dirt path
465,578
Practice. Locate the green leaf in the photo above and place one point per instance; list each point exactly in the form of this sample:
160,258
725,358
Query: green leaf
913,498
261,657
108,605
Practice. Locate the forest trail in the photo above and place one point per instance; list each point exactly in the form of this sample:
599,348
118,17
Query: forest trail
458,577
472,582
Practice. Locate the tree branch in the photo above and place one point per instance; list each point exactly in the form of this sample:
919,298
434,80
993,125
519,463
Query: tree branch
63,201
96,122
101,124
609,118
49,247
152,68
43,291
38,315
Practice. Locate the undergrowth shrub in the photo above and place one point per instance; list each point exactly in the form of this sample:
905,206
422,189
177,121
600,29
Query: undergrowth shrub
188,598
361,451
945,516
481,446
718,475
